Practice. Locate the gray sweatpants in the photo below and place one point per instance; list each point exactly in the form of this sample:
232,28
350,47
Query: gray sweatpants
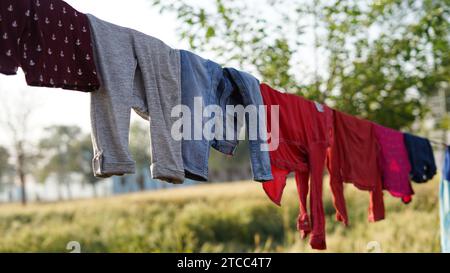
137,72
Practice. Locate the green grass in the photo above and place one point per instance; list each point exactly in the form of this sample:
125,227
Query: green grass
233,217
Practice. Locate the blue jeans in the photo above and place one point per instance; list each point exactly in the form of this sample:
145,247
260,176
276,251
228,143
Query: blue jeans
206,81
249,94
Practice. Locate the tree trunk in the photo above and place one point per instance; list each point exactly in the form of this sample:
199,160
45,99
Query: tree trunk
21,172
94,189
69,190
60,193
123,184
10,196
141,182
38,198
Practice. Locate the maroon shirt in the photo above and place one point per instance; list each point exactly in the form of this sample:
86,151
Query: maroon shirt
50,41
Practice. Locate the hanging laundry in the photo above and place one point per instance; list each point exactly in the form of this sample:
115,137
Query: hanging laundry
202,80
394,163
209,84
353,158
50,41
421,158
142,73
444,203
304,136
246,91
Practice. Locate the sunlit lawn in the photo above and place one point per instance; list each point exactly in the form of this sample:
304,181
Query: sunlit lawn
218,217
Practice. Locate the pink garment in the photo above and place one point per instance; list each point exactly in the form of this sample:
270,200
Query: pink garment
394,163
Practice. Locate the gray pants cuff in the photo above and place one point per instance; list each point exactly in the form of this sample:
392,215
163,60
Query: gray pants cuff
105,169
169,175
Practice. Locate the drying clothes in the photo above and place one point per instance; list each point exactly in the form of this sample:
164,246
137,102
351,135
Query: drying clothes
444,204
421,157
142,73
274,190
13,23
247,92
353,158
50,41
394,163
204,85
304,136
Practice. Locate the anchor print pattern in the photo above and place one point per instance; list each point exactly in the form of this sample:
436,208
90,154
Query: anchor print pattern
41,36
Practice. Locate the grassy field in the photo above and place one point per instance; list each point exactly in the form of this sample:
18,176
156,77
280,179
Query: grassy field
215,218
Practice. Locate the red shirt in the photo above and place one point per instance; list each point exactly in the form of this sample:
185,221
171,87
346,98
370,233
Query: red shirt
304,136
353,158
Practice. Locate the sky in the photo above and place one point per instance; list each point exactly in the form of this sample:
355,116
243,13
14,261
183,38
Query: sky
57,106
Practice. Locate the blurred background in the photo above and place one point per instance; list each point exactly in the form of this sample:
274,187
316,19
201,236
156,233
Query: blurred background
386,60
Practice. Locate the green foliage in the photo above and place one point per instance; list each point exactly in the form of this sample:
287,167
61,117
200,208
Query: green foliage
375,59
230,168
235,217
58,151
63,152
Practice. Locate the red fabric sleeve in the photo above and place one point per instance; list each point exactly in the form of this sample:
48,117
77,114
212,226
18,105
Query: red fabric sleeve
317,155
274,188
376,208
303,221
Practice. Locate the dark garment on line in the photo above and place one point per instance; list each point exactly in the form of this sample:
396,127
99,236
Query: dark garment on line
421,157
50,41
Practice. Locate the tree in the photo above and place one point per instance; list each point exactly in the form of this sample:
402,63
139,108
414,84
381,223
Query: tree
4,162
59,153
225,168
6,170
82,149
375,59
386,77
15,120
